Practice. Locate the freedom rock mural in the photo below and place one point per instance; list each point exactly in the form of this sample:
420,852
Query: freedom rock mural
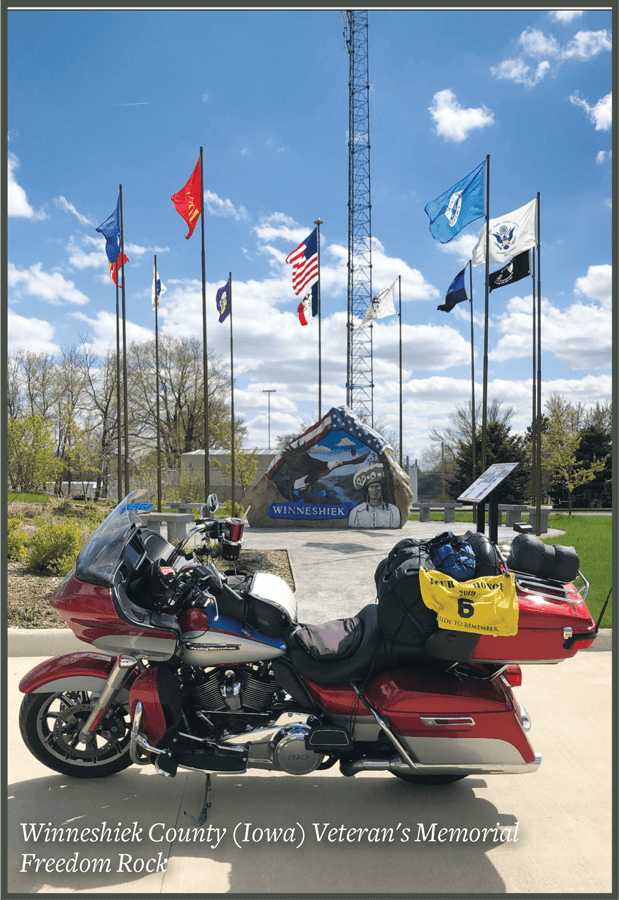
338,474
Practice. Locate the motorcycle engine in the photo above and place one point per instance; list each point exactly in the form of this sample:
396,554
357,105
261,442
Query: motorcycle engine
242,689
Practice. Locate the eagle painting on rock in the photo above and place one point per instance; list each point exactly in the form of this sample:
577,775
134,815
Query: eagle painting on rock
302,472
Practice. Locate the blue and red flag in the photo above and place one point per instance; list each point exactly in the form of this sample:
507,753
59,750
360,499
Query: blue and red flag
110,229
115,266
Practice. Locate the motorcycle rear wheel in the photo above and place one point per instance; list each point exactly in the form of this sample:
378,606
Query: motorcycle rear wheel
50,726
426,778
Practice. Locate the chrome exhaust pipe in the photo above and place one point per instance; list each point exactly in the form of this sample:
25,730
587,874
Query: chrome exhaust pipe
397,765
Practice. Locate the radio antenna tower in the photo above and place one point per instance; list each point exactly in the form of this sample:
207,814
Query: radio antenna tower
359,371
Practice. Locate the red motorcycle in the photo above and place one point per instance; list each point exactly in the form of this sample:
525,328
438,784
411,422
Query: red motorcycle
212,671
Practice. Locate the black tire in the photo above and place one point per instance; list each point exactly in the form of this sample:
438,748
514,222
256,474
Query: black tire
426,778
50,725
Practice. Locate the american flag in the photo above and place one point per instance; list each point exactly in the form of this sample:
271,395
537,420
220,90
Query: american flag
337,419
304,261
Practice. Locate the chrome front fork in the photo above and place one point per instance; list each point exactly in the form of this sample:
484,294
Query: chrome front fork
121,671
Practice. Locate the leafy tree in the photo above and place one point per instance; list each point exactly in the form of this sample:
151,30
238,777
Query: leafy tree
565,467
454,456
30,453
501,446
181,391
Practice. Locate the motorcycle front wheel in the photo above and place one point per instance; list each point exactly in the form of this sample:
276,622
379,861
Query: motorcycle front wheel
50,725
426,778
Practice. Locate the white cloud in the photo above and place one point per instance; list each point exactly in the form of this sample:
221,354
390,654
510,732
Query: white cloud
51,287
453,122
461,246
16,199
30,335
534,43
597,284
579,334
279,225
92,257
102,330
218,207
518,71
62,203
601,114
565,15
586,44
603,156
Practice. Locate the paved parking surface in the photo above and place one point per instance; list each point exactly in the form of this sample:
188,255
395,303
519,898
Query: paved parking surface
278,834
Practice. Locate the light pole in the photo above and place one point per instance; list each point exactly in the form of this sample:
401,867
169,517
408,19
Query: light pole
268,392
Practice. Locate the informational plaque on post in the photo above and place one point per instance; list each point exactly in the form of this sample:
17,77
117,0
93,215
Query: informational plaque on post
486,483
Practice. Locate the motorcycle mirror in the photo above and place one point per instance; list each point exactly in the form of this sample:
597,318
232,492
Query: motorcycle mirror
212,503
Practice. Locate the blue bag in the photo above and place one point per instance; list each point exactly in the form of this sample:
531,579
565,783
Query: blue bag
452,556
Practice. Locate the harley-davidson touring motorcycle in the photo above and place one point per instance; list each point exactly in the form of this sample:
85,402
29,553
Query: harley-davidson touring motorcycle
210,671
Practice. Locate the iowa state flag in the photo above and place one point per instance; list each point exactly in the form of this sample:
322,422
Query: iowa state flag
188,201
308,306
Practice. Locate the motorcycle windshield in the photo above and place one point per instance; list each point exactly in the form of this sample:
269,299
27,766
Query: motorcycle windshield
100,556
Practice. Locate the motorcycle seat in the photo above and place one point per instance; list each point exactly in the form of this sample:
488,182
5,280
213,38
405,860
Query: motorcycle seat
331,640
341,651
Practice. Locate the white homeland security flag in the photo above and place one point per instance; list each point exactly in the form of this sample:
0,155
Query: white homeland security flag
509,235
383,304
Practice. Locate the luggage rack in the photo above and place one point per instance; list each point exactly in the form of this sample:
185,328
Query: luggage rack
551,590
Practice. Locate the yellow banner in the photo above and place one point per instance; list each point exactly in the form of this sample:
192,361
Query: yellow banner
486,605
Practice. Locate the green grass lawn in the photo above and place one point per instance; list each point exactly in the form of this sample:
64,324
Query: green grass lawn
592,538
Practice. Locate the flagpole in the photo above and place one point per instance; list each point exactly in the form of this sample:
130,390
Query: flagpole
156,303
125,403
207,486
473,432
534,387
539,372
481,507
232,398
119,470
318,222
400,295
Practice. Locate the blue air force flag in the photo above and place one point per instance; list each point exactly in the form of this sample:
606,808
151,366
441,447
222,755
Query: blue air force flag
456,293
461,204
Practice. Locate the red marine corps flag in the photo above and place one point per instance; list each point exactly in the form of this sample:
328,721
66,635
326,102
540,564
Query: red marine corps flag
188,201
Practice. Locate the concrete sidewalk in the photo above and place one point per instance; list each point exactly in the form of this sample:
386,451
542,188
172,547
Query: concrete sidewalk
558,820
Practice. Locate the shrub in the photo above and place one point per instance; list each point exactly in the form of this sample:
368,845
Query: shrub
226,510
55,548
16,540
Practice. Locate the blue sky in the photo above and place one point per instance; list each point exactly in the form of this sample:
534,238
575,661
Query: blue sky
99,98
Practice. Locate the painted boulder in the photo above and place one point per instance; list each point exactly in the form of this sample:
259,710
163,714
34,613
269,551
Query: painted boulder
338,474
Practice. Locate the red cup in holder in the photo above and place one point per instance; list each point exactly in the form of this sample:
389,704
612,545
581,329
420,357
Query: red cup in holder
234,529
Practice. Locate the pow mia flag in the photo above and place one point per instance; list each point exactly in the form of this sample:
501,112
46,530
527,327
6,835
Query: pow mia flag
518,268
